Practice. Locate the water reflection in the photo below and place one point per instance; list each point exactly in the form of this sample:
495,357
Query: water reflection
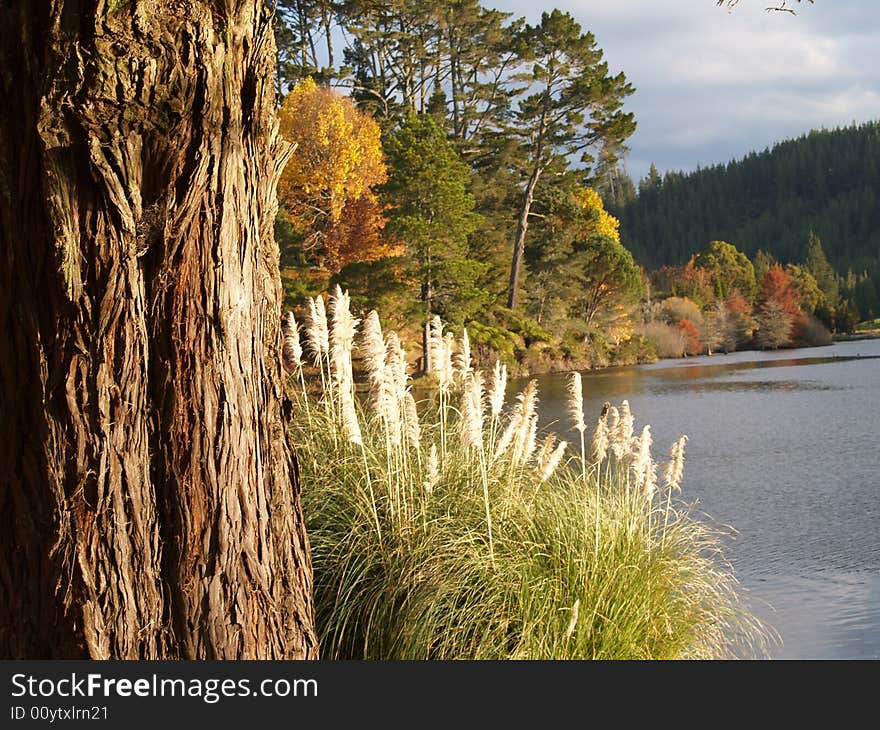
735,385
783,447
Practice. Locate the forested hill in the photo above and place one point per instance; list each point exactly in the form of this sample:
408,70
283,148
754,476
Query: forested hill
827,181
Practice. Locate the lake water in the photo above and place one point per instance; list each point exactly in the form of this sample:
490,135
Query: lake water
784,448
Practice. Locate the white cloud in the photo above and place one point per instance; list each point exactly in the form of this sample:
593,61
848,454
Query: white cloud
713,85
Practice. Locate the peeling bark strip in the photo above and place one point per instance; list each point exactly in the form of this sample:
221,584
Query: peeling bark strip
149,495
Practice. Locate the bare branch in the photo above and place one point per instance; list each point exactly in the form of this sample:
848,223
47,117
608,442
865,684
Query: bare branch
782,7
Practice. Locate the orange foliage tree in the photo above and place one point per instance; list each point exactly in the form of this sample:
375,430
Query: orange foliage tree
327,187
736,303
685,281
777,286
693,346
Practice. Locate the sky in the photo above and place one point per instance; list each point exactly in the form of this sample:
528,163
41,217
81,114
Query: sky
713,85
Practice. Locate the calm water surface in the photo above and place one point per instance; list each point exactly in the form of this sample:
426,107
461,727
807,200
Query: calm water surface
784,448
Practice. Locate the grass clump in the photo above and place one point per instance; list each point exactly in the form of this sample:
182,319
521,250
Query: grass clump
452,529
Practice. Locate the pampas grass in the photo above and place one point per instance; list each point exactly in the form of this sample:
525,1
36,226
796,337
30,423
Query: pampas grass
292,355
291,352
444,542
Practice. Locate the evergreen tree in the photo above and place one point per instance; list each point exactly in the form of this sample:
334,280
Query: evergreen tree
762,262
652,183
729,268
826,181
808,291
817,265
571,104
432,212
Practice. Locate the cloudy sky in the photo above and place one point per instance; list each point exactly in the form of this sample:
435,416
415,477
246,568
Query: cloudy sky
713,85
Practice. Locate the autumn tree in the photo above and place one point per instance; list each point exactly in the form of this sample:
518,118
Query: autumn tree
774,326
685,281
691,333
741,316
150,498
675,309
327,189
570,105
729,269
596,220
718,330
777,286
807,288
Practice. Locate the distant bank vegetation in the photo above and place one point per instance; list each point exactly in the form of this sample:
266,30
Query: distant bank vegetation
466,165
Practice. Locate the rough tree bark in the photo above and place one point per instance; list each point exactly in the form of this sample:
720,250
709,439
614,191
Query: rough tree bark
148,491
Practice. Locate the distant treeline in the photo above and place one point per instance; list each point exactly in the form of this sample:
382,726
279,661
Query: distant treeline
827,182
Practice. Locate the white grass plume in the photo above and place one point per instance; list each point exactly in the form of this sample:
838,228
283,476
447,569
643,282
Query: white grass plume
525,416
572,622
506,438
350,426
576,401
322,329
499,389
551,463
432,472
317,332
625,426
413,428
446,370
546,449
674,469
601,441
472,411
395,356
436,352
642,458
342,338
530,440
291,350
372,349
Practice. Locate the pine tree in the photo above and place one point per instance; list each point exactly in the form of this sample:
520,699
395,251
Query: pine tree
432,212
571,104
762,261
817,264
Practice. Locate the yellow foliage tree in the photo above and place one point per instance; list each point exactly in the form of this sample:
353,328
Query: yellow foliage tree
326,189
599,221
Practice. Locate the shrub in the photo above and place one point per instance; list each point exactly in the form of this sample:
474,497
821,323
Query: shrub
677,309
637,349
813,333
450,529
668,341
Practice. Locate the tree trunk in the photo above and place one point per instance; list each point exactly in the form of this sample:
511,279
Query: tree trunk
149,493
427,364
519,244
